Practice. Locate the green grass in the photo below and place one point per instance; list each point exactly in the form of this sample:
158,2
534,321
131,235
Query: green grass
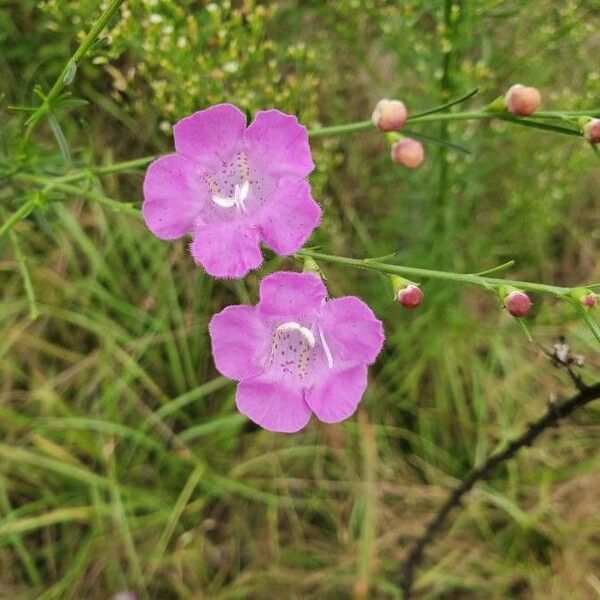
123,462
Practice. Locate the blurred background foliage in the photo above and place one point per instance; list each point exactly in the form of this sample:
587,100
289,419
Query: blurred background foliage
123,464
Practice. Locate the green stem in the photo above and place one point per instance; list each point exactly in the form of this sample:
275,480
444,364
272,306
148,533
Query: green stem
469,115
355,128
488,114
49,183
127,165
561,114
417,272
21,213
465,115
34,312
80,53
341,129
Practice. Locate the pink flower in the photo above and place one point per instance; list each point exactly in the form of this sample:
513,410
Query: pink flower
233,187
296,352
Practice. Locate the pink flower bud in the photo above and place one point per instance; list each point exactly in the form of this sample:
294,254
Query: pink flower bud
585,297
522,100
408,152
589,300
410,296
389,115
591,131
517,303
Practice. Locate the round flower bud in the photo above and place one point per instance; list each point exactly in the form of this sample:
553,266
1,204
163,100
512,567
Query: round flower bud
585,297
517,303
408,152
389,115
589,300
591,131
522,100
410,296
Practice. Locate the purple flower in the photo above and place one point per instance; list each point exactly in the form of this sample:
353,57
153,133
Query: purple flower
296,352
232,186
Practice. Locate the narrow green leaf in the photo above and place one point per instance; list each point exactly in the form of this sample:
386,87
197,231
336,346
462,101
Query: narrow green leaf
524,329
592,325
21,213
435,140
447,105
507,265
539,125
23,108
66,102
34,311
61,140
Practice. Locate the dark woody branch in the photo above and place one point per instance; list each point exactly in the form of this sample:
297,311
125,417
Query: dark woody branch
554,413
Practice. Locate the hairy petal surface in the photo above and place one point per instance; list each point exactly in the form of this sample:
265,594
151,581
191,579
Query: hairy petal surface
278,145
337,395
289,216
174,196
211,136
352,331
239,341
273,404
290,295
226,249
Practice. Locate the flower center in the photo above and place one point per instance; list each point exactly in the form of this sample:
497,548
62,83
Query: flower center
291,349
234,185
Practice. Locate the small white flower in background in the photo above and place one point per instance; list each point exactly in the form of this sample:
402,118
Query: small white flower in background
230,67
125,596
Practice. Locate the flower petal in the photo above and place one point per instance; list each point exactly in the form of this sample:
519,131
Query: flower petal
239,341
286,294
211,136
278,145
289,217
338,394
174,196
353,333
226,249
273,404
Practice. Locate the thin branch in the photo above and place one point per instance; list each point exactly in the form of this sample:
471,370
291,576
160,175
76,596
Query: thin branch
48,183
561,357
70,68
554,414
406,271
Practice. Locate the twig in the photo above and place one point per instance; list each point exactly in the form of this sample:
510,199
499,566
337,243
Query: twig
561,357
70,68
554,413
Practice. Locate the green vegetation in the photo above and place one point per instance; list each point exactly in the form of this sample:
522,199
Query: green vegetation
123,462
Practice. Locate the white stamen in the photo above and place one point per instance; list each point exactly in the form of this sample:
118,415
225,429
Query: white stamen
307,334
223,201
240,193
326,348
